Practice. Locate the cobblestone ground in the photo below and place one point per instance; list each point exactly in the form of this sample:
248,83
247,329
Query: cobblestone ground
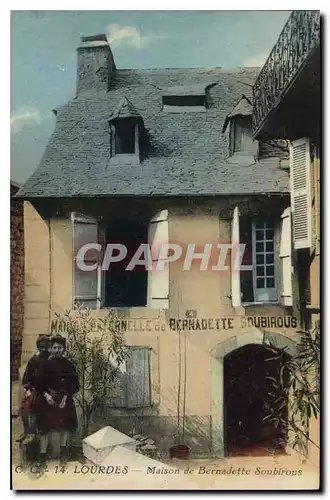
237,473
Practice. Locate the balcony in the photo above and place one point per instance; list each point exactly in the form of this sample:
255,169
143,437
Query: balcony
289,78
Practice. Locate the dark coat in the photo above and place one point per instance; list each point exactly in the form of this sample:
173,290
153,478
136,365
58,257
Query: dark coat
32,370
58,377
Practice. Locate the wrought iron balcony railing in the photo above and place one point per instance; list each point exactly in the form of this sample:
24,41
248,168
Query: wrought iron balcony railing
297,41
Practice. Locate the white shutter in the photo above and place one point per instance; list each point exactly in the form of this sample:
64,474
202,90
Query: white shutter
86,284
286,258
138,378
235,274
158,280
300,178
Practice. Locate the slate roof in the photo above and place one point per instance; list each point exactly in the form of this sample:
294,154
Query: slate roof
186,154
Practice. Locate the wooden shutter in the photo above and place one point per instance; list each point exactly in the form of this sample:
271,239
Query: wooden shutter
132,387
286,258
86,284
235,274
300,178
158,280
138,378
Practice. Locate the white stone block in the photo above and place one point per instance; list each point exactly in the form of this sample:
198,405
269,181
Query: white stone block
99,445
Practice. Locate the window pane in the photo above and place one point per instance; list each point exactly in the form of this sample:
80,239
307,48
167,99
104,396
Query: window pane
125,138
260,235
260,271
260,283
269,258
259,224
269,234
269,246
270,270
247,286
260,259
237,137
260,247
270,282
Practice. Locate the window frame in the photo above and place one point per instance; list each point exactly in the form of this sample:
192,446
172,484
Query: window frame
99,299
172,104
235,128
271,291
125,387
119,132
123,158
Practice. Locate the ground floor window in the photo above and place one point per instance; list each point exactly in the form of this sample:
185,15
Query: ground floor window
133,384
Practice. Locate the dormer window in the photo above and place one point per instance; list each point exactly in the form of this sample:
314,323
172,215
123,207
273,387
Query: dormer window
241,141
126,128
125,138
242,147
184,99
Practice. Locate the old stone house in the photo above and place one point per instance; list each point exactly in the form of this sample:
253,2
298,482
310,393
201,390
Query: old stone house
166,156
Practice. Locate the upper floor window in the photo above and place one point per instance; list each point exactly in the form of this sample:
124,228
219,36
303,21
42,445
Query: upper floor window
265,248
126,126
258,285
125,138
112,264
184,99
241,141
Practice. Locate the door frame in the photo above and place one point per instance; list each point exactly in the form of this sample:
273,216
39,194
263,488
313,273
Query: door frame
254,336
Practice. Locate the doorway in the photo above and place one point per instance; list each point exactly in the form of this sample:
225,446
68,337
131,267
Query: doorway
249,373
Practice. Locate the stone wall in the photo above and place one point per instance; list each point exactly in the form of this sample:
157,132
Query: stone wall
17,281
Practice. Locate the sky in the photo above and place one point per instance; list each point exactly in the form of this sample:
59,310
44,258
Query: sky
43,57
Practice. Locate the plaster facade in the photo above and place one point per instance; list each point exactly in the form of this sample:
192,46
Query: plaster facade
48,290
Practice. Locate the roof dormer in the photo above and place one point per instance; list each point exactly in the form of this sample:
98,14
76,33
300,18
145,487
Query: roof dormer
127,128
242,147
184,99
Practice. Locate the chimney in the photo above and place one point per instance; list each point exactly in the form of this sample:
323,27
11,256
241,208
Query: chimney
95,64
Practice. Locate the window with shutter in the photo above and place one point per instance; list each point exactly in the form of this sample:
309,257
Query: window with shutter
300,178
133,384
253,275
158,278
87,285
126,287
138,378
286,258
